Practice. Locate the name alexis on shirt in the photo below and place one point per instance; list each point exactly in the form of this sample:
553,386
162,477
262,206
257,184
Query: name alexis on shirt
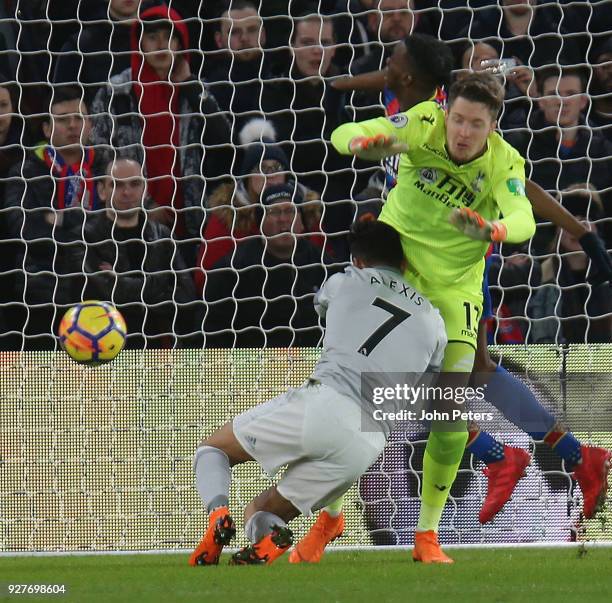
400,288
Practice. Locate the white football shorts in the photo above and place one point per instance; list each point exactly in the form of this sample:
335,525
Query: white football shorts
317,433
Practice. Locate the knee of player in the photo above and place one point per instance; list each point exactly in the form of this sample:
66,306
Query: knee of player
249,510
459,358
225,442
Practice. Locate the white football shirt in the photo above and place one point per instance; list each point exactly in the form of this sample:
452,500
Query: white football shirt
376,323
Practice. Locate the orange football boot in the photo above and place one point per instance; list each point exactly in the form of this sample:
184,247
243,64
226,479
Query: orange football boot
427,549
310,549
221,529
267,550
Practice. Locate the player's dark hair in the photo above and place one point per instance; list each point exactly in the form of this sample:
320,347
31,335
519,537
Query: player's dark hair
479,87
376,243
430,60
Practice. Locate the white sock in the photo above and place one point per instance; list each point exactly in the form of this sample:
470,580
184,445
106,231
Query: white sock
260,524
212,476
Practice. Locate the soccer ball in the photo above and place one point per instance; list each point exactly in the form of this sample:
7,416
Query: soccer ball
92,332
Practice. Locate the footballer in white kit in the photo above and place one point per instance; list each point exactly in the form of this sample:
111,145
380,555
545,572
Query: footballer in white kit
324,431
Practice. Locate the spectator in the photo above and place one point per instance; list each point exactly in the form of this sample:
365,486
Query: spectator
513,276
600,115
351,25
561,149
11,154
305,109
584,21
184,159
233,209
100,49
12,132
566,309
132,262
519,80
25,39
262,295
278,19
237,78
530,33
46,196
455,17
393,21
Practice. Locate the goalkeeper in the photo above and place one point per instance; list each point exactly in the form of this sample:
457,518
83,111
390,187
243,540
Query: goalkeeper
417,71
454,169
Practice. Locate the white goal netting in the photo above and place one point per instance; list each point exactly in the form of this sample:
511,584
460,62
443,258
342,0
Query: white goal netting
100,458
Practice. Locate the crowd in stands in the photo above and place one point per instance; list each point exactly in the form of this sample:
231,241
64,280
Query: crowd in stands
174,158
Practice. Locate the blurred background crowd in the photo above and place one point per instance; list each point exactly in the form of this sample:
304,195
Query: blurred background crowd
173,158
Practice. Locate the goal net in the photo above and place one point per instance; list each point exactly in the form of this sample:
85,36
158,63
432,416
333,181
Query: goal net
100,459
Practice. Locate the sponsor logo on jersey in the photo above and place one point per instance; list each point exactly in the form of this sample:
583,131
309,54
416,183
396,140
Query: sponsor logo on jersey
443,187
399,120
428,175
516,187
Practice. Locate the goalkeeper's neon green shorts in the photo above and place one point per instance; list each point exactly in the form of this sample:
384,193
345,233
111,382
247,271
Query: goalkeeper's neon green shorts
461,309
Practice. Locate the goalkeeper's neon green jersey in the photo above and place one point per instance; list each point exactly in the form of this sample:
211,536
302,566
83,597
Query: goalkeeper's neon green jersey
429,186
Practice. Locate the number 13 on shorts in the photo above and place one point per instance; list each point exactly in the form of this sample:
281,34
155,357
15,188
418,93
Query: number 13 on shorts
472,316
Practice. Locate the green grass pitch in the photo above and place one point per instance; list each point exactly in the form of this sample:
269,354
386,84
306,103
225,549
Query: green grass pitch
487,575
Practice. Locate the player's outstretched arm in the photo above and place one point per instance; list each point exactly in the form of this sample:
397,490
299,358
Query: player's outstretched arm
517,221
328,291
373,139
373,81
547,207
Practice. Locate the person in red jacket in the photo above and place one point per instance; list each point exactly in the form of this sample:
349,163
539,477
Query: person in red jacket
159,113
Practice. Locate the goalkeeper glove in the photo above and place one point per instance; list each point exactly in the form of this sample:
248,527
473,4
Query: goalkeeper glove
473,225
375,148
602,265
